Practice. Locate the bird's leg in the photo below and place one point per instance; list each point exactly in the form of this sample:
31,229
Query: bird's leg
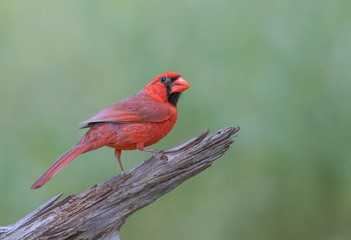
118,156
140,146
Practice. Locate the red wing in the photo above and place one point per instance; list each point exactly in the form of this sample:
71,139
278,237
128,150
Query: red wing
137,108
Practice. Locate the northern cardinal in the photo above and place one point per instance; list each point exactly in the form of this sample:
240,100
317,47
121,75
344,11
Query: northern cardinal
135,123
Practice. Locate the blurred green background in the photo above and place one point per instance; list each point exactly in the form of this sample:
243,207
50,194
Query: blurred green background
278,69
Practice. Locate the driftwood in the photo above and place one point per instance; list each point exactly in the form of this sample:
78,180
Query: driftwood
100,211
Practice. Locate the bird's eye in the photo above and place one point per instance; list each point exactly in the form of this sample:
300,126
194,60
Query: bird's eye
163,79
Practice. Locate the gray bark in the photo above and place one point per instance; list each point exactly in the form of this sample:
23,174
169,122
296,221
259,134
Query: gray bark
100,211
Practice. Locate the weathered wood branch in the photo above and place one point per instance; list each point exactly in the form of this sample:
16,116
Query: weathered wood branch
100,211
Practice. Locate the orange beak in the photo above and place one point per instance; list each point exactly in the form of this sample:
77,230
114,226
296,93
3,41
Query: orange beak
180,85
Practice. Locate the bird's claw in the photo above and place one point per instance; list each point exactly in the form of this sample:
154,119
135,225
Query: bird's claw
160,155
155,154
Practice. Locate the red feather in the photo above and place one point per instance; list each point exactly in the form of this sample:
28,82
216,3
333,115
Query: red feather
133,109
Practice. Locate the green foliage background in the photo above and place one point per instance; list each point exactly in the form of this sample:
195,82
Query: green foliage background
278,69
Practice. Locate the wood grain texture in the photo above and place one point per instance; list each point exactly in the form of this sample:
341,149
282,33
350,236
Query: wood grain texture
100,211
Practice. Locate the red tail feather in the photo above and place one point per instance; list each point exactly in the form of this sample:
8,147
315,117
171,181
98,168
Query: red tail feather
58,165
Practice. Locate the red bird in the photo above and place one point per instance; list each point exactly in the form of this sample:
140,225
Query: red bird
135,123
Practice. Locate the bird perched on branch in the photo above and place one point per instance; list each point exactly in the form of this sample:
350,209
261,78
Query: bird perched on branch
135,123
